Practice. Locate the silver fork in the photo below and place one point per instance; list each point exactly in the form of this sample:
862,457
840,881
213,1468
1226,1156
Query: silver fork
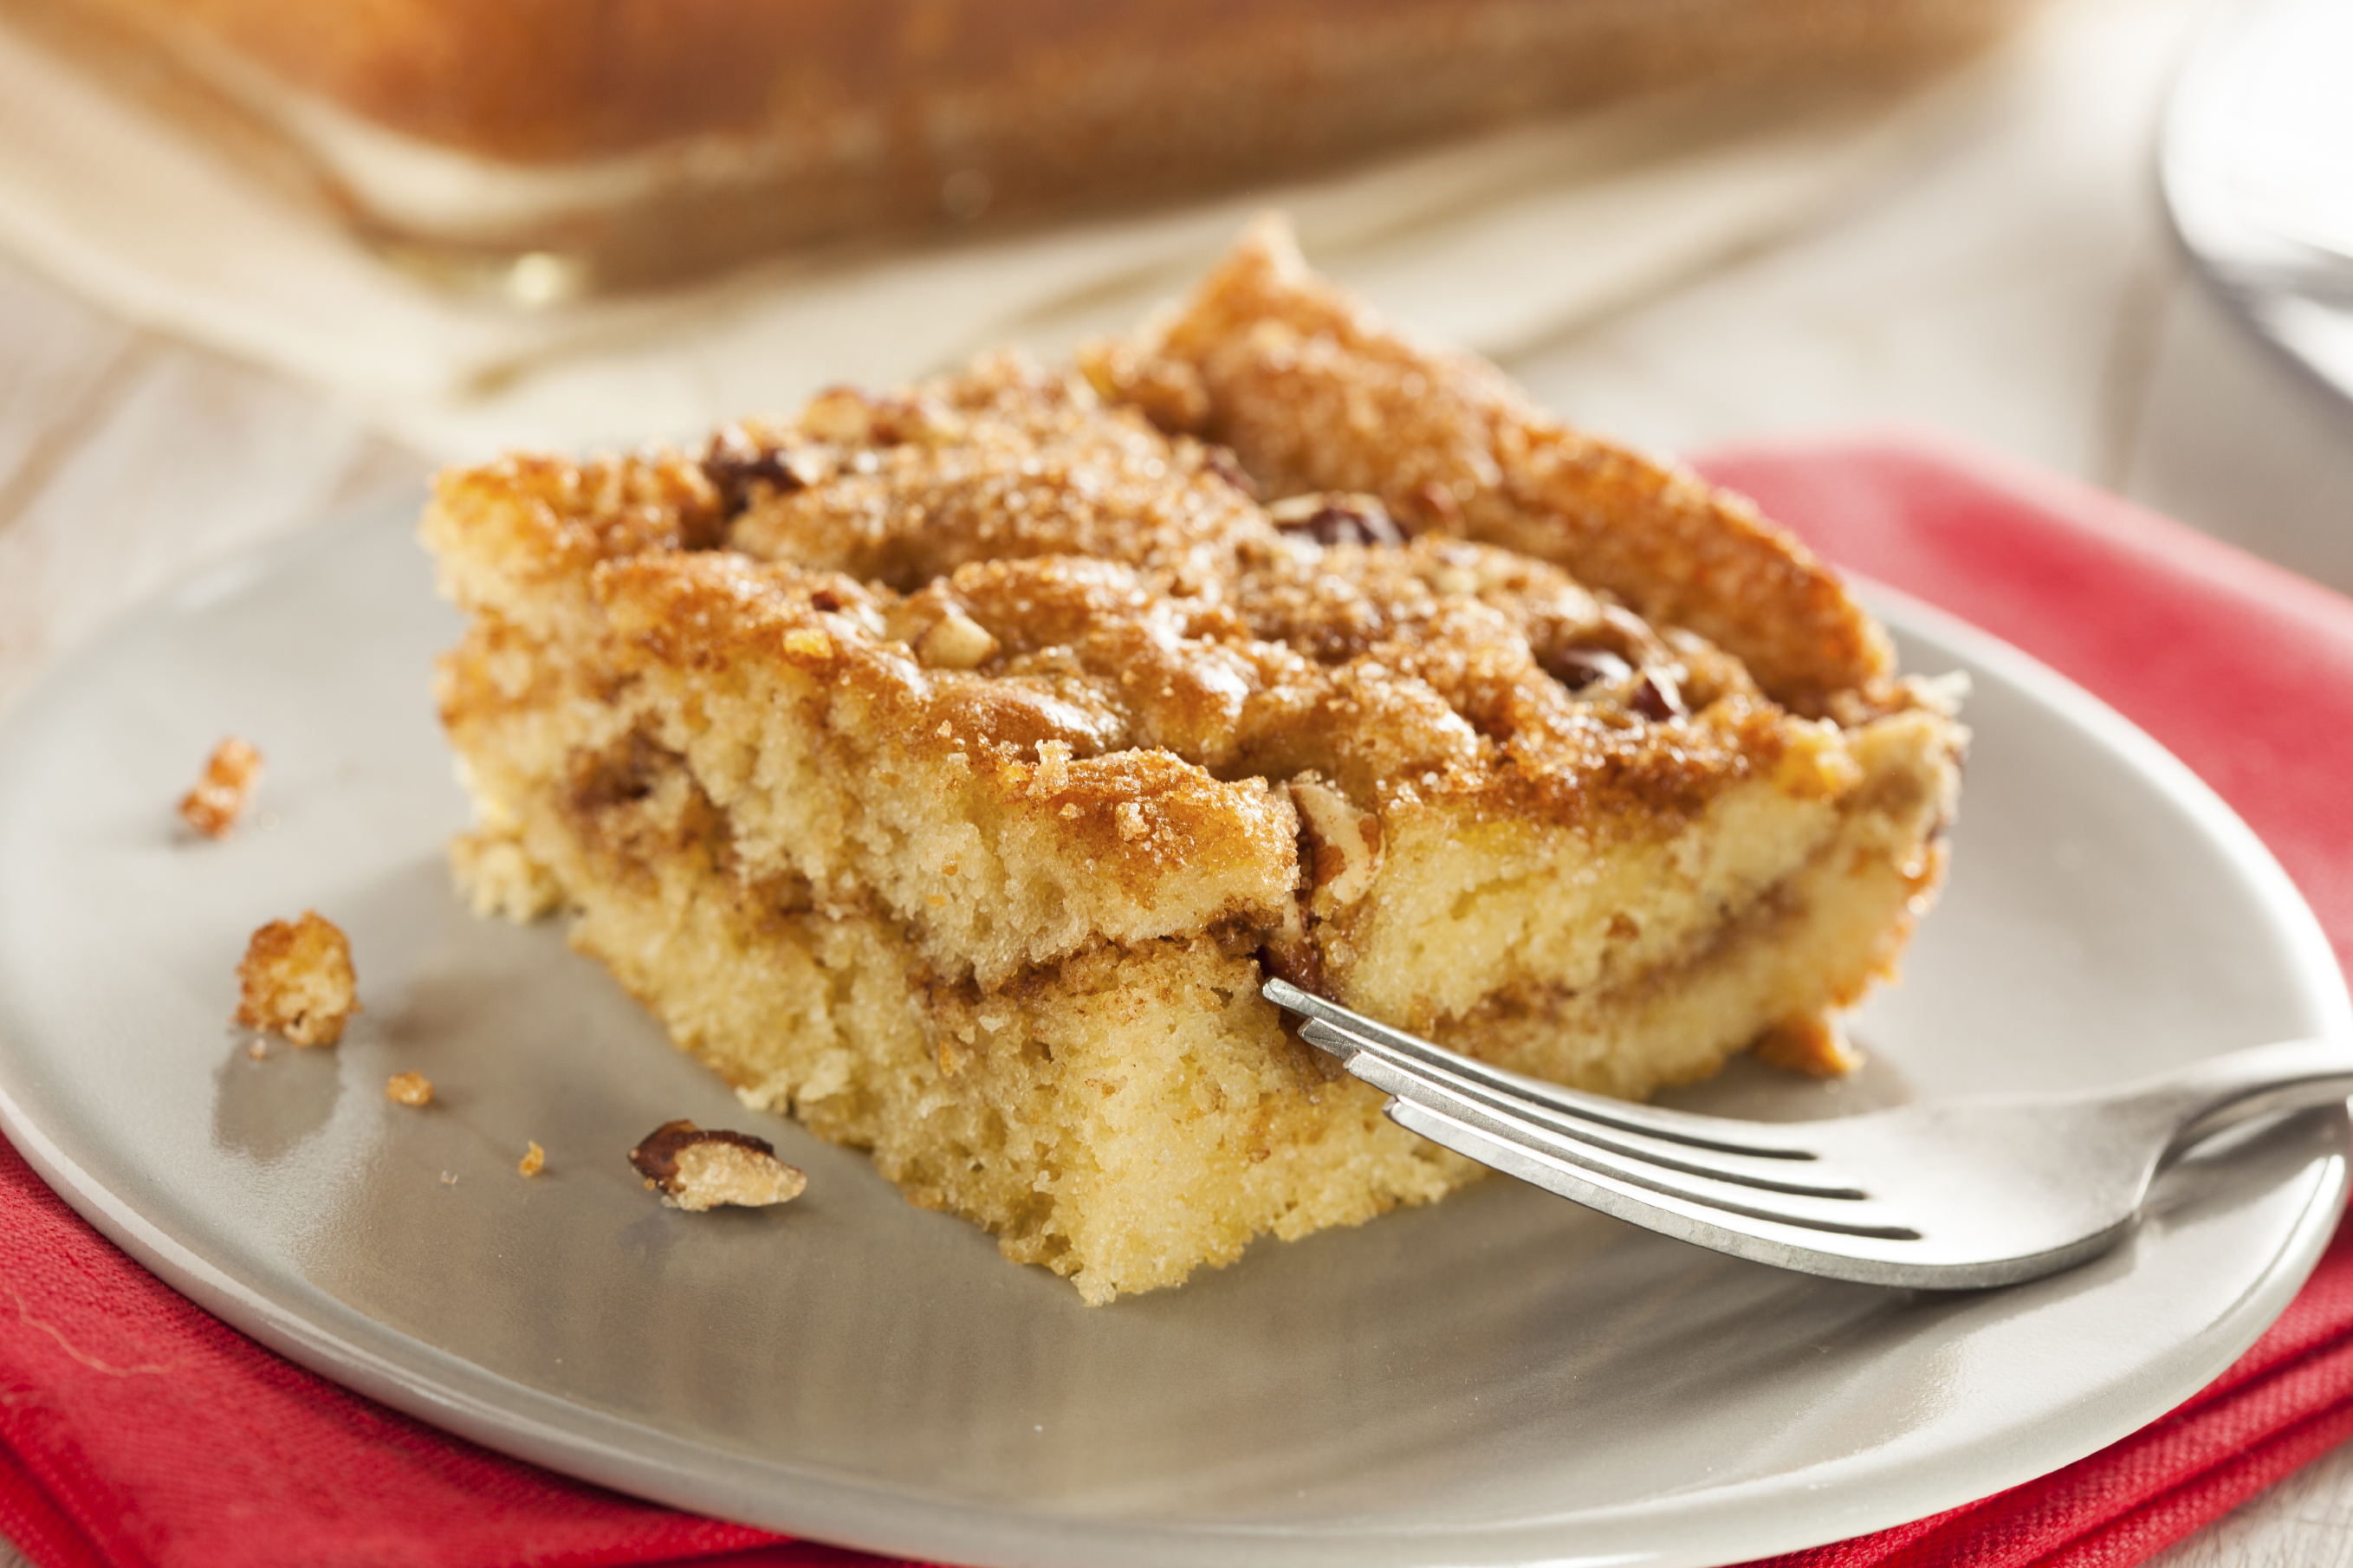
1950,1196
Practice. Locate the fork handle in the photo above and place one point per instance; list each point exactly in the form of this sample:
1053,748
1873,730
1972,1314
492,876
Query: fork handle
2223,1091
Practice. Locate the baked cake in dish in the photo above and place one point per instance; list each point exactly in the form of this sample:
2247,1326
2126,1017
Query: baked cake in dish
633,141
948,769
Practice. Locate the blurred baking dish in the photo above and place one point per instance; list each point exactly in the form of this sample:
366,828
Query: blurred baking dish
554,144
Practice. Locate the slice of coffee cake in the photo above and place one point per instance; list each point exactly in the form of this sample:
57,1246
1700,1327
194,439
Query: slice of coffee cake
948,769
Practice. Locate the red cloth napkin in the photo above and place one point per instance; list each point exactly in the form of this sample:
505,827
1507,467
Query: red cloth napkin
2244,672
137,1432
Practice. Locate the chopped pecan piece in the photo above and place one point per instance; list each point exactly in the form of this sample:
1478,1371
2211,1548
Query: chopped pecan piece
1336,518
1579,667
735,462
1659,697
698,1168
955,641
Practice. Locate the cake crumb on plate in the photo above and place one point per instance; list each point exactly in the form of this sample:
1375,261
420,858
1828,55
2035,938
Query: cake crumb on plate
297,979
221,794
409,1089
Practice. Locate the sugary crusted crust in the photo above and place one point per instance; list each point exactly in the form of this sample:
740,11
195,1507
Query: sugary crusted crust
999,590
1312,390
1138,607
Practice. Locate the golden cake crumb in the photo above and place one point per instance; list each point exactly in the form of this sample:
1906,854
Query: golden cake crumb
220,796
297,979
533,1161
409,1089
697,1168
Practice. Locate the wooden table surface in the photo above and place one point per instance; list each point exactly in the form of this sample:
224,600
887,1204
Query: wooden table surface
2020,289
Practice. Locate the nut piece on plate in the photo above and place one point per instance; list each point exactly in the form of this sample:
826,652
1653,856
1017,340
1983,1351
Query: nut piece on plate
220,798
297,979
697,1169
409,1089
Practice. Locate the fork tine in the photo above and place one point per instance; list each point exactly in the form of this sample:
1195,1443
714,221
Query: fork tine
1743,1230
1721,1135
1489,1128
1685,1156
1961,1197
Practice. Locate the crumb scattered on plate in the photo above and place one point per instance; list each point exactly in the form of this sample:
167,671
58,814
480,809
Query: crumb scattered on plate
297,979
409,1089
697,1168
533,1161
220,796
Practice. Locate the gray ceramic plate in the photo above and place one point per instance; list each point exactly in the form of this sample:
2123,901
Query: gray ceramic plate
1503,1378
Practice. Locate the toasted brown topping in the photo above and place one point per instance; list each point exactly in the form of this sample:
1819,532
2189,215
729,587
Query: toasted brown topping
841,413
1313,393
848,417
297,979
1169,391
697,1168
533,1161
409,1089
220,798
1076,608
